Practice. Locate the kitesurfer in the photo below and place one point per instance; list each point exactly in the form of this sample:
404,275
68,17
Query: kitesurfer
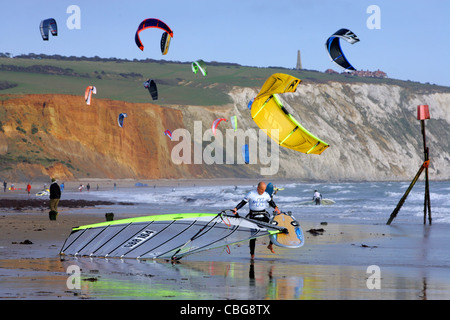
258,201
317,197
55,195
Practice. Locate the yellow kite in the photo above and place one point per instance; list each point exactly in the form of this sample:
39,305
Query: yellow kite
268,113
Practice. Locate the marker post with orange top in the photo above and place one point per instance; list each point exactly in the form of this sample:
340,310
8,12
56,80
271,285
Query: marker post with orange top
423,114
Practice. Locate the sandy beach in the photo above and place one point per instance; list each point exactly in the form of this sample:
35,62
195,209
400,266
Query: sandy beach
338,261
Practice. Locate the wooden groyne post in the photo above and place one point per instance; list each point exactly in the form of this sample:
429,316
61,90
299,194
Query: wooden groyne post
423,114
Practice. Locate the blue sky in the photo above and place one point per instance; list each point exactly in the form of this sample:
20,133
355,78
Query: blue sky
411,44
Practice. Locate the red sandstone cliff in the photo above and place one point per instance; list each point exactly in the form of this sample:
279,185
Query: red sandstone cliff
61,136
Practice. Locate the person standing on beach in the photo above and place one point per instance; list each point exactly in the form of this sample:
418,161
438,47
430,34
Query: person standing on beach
258,201
4,186
55,195
28,188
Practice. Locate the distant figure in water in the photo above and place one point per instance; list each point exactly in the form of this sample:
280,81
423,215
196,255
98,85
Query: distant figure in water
317,197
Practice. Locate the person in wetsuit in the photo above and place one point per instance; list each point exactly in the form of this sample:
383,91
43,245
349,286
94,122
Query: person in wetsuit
258,201
317,197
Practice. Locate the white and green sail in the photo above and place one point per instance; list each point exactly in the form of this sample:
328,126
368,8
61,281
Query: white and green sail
162,236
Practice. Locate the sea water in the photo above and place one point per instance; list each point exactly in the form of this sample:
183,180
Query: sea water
355,202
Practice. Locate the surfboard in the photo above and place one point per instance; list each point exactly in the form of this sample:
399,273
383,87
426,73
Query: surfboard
43,193
325,202
293,238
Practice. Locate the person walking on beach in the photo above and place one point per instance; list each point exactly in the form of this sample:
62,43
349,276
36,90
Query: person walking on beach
28,188
55,195
258,201
4,186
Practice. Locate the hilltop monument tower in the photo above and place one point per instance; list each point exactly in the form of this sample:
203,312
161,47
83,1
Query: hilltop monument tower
299,61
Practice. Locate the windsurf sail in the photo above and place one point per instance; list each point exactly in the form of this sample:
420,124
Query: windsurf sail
269,114
170,236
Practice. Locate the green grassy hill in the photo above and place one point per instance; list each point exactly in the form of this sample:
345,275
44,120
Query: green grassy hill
123,79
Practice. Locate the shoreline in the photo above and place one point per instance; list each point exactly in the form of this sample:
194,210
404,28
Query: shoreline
126,183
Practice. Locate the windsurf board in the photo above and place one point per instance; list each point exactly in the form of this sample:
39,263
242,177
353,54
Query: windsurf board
325,202
293,238
43,193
